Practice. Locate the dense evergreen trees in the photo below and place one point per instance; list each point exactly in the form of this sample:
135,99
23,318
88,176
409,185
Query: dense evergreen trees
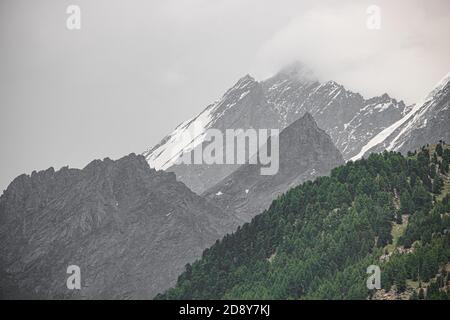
316,240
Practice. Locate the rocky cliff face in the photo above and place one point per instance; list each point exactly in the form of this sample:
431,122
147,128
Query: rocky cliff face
428,122
129,228
242,107
349,119
306,152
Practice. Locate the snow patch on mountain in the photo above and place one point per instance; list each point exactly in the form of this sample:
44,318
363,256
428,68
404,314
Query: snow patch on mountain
275,103
186,137
191,133
410,120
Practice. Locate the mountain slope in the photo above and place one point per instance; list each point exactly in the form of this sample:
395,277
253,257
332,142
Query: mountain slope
427,122
129,228
317,240
347,117
242,106
305,153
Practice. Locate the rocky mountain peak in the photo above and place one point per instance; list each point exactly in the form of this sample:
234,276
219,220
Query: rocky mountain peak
245,83
300,126
426,122
306,119
275,103
118,211
305,152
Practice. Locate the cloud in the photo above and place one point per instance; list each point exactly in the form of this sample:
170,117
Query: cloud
148,65
335,42
173,78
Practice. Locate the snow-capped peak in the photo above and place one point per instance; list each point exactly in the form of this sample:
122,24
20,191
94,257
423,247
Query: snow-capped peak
441,84
405,124
184,138
192,132
245,82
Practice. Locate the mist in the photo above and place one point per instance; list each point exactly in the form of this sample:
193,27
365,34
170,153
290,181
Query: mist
136,69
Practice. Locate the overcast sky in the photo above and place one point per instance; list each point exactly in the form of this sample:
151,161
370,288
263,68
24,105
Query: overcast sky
136,69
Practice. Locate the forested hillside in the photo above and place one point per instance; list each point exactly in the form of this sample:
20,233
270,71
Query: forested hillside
317,240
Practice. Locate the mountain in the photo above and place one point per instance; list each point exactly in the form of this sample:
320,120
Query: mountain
305,153
347,117
318,239
129,228
427,122
243,106
350,119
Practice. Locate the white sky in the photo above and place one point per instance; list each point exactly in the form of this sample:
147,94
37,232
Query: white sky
136,69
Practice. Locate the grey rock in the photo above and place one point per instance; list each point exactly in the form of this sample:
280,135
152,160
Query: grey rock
306,152
129,228
349,119
428,122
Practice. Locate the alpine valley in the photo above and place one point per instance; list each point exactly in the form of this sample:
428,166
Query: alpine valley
361,181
